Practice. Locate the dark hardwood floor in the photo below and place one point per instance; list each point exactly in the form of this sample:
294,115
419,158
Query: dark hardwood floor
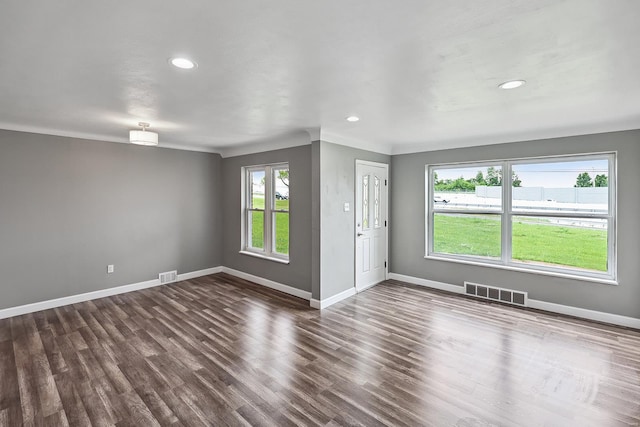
221,351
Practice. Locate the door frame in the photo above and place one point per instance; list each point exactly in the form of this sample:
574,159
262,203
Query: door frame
355,220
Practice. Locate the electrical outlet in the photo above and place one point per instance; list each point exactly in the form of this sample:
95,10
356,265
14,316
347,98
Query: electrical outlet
110,268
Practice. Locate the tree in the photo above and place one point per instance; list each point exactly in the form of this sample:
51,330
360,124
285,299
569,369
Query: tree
463,185
479,179
584,180
283,175
515,180
494,177
459,184
601,181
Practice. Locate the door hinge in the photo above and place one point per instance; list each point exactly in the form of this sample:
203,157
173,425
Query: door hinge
385,182
385,223
385,264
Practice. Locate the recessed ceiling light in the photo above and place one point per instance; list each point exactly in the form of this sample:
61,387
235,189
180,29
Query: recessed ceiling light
353,118
511,84
184,63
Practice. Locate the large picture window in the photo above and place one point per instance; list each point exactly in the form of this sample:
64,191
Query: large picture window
553,214
266,211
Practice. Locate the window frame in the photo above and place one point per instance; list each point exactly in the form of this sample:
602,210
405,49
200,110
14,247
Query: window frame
506,214
269,242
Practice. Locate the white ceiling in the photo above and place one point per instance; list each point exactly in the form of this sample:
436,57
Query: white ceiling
421,74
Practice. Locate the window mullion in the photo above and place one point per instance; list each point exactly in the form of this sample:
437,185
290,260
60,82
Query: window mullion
561,214
429,211
506,213
244,238
467,211
268,190
612,233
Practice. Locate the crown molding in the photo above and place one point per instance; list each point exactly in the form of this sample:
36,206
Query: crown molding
334,138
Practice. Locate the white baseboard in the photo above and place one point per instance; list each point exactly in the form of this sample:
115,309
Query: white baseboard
428,283
269,283
320,304
199,273
74,299
599,316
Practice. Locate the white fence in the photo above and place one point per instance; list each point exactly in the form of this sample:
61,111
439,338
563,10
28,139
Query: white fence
590,195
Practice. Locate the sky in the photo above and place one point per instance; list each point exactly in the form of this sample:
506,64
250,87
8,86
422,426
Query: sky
549,175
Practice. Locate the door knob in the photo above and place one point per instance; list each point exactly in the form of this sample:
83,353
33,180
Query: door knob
360,234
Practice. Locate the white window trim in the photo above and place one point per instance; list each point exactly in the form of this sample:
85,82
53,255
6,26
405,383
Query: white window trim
268,252
506,214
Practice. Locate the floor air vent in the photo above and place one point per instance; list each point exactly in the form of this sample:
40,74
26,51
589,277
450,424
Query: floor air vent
168,277
496,294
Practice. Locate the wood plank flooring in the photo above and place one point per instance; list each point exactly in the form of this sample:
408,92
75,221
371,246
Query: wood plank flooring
220,351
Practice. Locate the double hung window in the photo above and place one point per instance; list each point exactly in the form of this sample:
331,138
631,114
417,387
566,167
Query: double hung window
266,211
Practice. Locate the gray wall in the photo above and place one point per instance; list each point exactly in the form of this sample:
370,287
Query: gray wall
69,207
298,272
315,219
322,244
337,228
408,224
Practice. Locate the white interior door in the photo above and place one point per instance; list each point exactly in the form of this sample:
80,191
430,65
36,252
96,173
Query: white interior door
371,223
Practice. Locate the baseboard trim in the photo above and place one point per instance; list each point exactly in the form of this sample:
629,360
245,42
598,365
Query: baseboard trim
428,283
88,296
199,273
268,283
583,313
321,304
599,316
74,299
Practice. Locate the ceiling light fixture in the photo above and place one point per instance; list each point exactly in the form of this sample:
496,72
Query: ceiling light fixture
353,118
143,137
184,63
511,84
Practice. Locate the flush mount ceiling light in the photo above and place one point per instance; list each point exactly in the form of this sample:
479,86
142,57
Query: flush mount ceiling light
184,63
353,118
143,137
511,84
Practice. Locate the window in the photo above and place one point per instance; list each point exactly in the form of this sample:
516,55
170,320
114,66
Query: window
554,215
266,211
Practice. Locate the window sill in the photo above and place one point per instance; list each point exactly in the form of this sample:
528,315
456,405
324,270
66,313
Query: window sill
269,258
526,270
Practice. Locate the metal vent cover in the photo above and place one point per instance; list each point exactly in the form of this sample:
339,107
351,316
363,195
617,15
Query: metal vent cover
168,277
493,293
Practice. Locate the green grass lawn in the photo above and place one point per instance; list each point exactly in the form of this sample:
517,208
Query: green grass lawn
533,241
281,225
